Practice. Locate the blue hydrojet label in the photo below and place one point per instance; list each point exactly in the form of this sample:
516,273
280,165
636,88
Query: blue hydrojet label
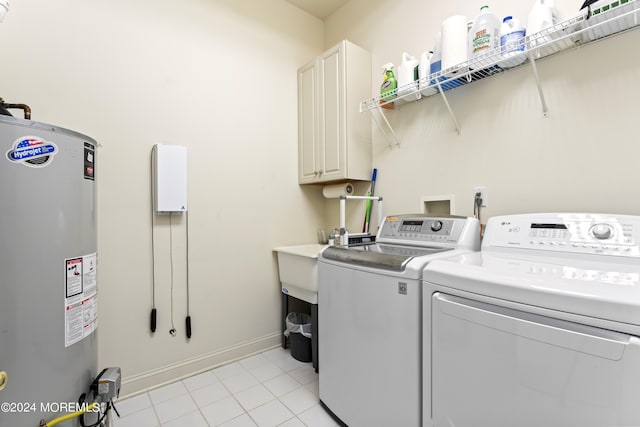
32,151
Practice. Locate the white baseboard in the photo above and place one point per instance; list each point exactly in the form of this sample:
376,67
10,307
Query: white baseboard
155,378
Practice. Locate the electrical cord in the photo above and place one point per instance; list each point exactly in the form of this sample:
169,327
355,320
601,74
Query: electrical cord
100,419
81,400
153,254
188,319
172,331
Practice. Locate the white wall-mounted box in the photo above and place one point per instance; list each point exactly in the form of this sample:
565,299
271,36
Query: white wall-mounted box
169,174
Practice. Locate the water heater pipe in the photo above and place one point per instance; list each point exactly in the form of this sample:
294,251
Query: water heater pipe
24,107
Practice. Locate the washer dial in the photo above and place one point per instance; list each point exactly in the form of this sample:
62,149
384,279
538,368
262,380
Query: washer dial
602,231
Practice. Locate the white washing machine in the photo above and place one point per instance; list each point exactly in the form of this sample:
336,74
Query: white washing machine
369,320
540,328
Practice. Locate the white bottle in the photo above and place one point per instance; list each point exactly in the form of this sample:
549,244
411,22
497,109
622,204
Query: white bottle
484,37
511,42
4,8
436,66
454,42
424,70
542,16
408,78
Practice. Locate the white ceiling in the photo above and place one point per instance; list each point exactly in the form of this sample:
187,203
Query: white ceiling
319,8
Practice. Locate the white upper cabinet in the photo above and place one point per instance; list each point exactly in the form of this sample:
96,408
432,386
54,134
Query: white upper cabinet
334,138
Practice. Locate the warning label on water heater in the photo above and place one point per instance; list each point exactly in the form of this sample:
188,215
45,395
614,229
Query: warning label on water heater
81,298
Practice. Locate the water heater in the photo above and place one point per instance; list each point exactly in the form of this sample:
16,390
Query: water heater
48,270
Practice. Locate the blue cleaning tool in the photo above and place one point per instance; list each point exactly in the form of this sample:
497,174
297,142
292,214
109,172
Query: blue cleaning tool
367,216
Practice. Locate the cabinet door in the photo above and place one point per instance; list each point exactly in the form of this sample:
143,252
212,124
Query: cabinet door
308,138
332,123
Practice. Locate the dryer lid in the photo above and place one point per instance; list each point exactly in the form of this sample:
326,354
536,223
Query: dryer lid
587,286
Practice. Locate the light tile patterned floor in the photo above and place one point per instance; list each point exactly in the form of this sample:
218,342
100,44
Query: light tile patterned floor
265,390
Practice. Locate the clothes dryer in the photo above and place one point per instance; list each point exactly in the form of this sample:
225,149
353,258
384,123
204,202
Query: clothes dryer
540,328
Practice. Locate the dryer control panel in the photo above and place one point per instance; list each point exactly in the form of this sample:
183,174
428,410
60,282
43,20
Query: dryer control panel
598,234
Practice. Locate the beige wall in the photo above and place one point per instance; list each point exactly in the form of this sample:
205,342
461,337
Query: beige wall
216,76
583,157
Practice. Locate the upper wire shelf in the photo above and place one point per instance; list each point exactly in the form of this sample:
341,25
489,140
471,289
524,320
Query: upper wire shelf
587,26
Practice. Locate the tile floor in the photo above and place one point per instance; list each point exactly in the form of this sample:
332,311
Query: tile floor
267,389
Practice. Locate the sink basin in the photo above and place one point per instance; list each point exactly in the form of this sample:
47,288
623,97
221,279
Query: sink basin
298,269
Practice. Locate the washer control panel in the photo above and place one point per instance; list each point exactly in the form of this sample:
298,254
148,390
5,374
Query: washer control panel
599,234
417,229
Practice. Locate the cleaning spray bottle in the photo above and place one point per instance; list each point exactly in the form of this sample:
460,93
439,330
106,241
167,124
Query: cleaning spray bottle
388,89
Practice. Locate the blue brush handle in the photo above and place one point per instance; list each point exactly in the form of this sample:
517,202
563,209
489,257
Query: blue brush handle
373,181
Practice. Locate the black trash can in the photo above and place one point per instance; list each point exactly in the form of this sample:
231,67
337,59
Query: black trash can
299,332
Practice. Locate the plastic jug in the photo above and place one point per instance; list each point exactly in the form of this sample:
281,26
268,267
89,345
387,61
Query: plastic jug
436,65
511,42
454,41
543,15
408,77
424,70
4,8
389,86
484,36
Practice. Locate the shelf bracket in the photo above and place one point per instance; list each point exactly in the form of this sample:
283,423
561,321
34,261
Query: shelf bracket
388,132
534,67
446,103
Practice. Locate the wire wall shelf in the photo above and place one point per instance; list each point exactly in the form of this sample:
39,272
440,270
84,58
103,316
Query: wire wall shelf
588,26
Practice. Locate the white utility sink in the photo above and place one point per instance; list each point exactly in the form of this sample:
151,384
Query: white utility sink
298,268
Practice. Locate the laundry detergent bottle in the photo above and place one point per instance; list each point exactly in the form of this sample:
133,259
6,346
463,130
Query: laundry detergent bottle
484,36
388,89
408,78
424,70
542,16
436,66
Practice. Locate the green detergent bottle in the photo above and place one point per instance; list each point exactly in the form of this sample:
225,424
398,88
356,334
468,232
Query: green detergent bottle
389,87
